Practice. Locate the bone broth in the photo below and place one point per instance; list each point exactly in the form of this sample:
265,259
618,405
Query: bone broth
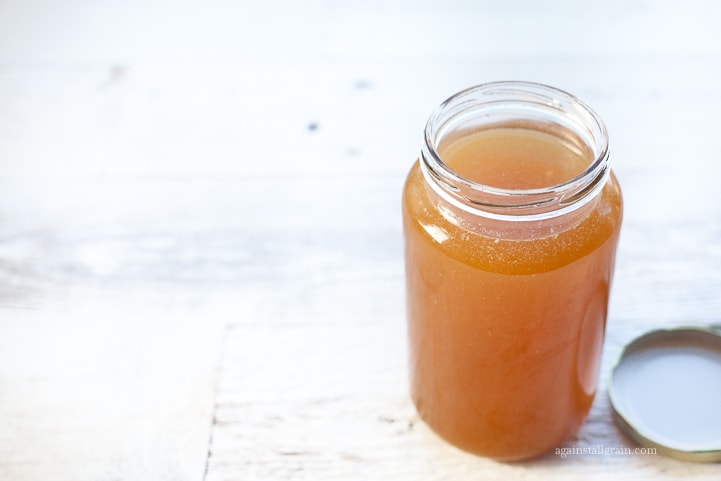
507,310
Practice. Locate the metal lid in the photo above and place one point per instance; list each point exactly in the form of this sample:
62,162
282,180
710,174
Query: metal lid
665,391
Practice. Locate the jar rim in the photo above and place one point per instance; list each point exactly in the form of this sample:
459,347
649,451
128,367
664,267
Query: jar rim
561,108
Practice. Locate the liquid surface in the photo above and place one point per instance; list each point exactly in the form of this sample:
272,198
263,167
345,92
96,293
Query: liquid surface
496,158
506,332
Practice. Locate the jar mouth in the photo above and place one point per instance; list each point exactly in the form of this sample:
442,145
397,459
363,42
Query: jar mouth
516,103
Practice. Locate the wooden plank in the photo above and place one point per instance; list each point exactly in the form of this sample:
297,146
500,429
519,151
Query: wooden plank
318,401
97,391
200,250
314,369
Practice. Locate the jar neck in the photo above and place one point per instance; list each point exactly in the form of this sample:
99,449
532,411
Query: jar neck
521,105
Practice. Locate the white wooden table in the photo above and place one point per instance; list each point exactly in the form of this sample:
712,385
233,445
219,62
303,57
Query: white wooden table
200,247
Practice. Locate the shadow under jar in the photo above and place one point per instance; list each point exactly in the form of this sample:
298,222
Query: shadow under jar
511,218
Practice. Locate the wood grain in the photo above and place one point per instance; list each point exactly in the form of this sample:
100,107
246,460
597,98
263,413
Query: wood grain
200,247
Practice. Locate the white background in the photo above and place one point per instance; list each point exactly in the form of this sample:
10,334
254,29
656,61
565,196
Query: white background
200,246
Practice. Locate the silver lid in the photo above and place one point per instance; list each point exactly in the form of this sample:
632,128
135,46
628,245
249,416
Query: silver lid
665,391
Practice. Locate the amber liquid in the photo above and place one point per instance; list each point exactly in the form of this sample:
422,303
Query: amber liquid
506,332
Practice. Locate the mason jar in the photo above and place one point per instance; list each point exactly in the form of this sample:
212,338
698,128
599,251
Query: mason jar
511,218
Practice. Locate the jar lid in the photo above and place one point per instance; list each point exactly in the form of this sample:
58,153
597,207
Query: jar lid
665,392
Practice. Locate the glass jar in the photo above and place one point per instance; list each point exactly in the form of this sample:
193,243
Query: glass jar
511,218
